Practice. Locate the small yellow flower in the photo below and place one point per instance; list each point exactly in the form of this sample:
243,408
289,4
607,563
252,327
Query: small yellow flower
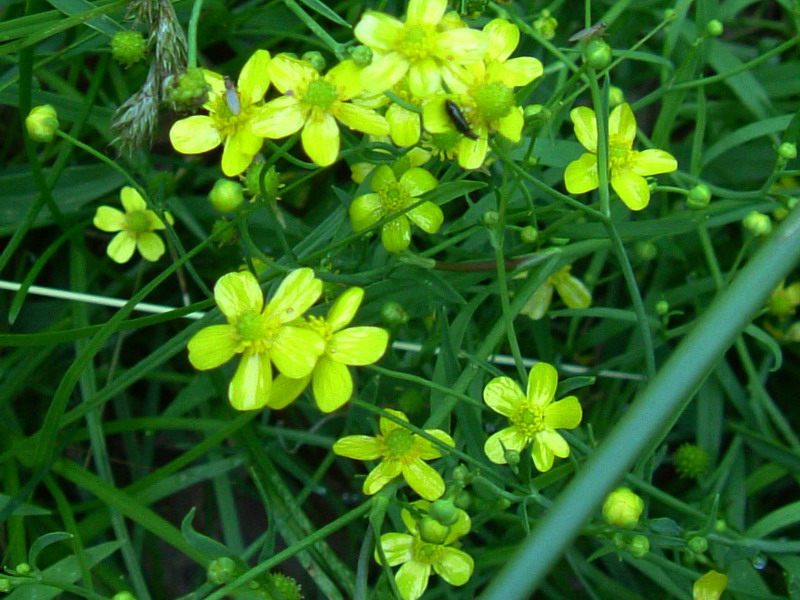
628,168
135,226
358,346
415,157
425,47
622,508
231,113
784,300
401,453
392,195
263,335
314,103
534,418
710,586
483,95
420,558
571,290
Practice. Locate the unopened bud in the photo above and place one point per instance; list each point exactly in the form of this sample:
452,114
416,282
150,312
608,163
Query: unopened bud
623,508
597,54
226,195
699,197
42,123
787,151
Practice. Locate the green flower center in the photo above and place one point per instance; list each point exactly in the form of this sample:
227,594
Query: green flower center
528,418
416,41
427,553
320,325
250,326
618,156
137,221
227,123
320,93
399,442
493,100
394,197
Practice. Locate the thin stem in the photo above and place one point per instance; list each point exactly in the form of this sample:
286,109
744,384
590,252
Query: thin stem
194,19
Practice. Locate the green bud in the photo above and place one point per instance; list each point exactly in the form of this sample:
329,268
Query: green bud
123,596
461,474
691,461
225,236
491,218
639,546
787,151
698,544
226,195
669,14
615,96
620,543
433,532
545,25
444,511
529,234
42,123
361,55
699,197
23,569
502,503
512,457
714,28
223,570
597,54
252,180
463,500
662,308
5,584
646,250
623,508
315,59
286,587
128,47
190,89
757,223
720,526
393,313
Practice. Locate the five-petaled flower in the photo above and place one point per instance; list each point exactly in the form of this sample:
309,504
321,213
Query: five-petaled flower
423,47
533,418
263,335
419,557
331,381
314,103
628,168
135,226
231,113
392,195
401,453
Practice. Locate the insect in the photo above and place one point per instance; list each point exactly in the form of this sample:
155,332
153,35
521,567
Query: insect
589,32
232,96
455,114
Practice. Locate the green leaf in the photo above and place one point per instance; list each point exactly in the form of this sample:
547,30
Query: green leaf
326,12
103,24
23,510
43,542
783,517
745,134
202,543
768,341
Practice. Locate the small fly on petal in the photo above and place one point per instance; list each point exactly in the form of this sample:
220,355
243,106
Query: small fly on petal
232,96
590,32
459,120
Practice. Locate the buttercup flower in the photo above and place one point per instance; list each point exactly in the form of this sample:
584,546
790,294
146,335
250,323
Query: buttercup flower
533,418
571,290
313,103
263,335
231,113
391,195
628,168
482,98
710,586
135,226
401,453
424,47
419,557
331,380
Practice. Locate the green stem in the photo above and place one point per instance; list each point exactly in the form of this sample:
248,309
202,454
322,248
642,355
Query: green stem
316,28
194,20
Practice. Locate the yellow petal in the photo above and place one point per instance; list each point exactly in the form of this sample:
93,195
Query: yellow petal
573,292
542,456
537,305
239,151
344,308
429,450
462,45
109,219
384,72
358,447
321,140
710,586
194,135
295,295
424,78
503,39
332,384
542,383
435,117
585,127
510,126
212,346
346,78
397,548
378,31
427,216
285,390
517,71
412,579
121,248
150,245
362,119
295,350
132,200
564,414
510,438
396,234
237,293
254,77
622,126
580,175
404,125
380,476
423,479
503,395
365,211
631,188
279,118
454,566
251,384
472,153
417,181
291,75
386,426
358,345
652,162
425,11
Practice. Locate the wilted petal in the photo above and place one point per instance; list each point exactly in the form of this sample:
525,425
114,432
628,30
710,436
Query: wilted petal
564,414
510,438
332,384
194,135
631,188
295,350
380,476
237,293
454,566
537,305
250,387
580,175
358,447
358,346
503,395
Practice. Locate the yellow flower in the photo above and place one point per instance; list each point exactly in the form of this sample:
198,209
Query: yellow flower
534,418
231,113
424,47
264,335
628,168
482,98
571,290
419,557
313,103
710,586
401,453
331,380
135,226
392,195
415,157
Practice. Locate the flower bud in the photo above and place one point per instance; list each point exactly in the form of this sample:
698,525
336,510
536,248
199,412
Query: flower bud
361,55
222,570
271,181
393,313
597,54
720,526
512,457
623,508
699,197
226,195
461,474
315,59
545,25
123,596
787,151
23,569
433,532
646,250
444,511
287,587
698,544
691,461
620,543
615,96
714,28
757,223
42,123
5,584
662,308
491,218
128,47
529,234
710,586
463,500
224,235
190,89
639,546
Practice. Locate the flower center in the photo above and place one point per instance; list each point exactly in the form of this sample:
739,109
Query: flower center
427,553
320,325
320,93
493,100
394,197
528,418
618,156
137,222
225,121
416,41
399,442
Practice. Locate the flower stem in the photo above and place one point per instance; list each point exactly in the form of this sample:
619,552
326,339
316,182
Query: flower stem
194,19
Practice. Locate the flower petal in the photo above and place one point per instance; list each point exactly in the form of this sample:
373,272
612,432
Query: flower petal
109,219
542,383
289,74
365,211
396,234
510,438
412,579
384,72
131,200
358,447
424,78
542,456
378,31
537,305
358,346
503,395
321,140
194,135
427,449
435,117
295,350
622,126
212,346
382,176
278,118
631,188
237,293
652,162
254,77
396,548
517,71
362,119
472,153
344,308
427,216
429,12
121,247
553,440
295,295
386,426
511,125
238,152
580,175
423,479
564,414
332,384
380,476
251,384
573,292
461,45
404,125
503,39
285,390
150,245
417,181
585,127
454,566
